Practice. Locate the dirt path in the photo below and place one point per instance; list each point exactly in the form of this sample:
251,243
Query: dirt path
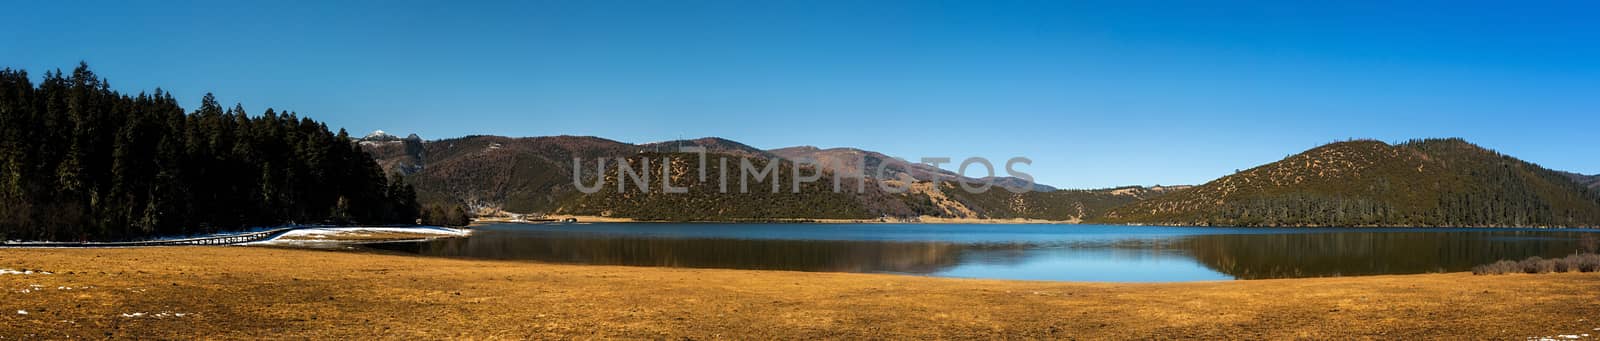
252,292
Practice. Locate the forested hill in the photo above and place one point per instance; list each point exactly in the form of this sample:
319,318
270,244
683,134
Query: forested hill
1434,182
1590,181
79,161
534,175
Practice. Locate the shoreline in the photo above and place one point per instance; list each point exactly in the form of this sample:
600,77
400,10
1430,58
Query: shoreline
254,292
971,221
922,220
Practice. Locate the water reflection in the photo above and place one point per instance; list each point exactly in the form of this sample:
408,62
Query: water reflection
1284,255
833,256
1039,252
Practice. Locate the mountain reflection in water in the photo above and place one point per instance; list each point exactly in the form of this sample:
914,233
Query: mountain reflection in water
1288,255
1039,252
833,256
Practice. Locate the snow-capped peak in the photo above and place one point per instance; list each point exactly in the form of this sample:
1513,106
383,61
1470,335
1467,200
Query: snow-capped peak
378,134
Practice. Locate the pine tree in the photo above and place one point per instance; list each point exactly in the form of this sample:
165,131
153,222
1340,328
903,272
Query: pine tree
79,161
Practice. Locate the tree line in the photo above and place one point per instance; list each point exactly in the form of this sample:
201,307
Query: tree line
79,161
444,215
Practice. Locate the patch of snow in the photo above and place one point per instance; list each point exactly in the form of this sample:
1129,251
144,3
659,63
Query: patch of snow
155,315
1559,337
23,272
322,234
379,135
22,312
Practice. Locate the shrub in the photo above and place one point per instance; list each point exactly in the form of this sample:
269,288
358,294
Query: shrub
1585,262
1579,262
1496,268
1544,266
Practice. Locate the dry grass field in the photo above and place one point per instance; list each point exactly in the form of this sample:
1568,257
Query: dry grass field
259,292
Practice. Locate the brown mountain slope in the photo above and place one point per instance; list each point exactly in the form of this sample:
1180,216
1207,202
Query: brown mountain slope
516,174
711,144
721,195
856,162
534,175
1059,205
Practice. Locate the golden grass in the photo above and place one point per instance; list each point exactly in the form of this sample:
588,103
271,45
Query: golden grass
252,292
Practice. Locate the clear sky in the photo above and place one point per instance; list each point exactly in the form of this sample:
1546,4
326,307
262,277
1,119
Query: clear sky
1096,93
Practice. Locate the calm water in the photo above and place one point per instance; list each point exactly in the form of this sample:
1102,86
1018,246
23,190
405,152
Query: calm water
1032,252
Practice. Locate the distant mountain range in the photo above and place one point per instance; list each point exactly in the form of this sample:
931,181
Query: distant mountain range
534,175
849,159
1436,182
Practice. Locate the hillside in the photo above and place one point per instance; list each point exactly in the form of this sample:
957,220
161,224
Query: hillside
403,155
1590,181
1435,182
534,175
853,161
1059,205
720,196
711,144
1440,182
516,174
705,200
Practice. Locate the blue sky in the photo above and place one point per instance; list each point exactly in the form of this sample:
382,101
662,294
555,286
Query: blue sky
1096,93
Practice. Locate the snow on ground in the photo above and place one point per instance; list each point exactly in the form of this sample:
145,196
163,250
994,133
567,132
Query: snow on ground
30,288
156,315
349,234
328,231
1561,337
23,272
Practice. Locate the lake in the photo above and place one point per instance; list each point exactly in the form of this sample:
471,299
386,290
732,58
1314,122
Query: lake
1026,252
